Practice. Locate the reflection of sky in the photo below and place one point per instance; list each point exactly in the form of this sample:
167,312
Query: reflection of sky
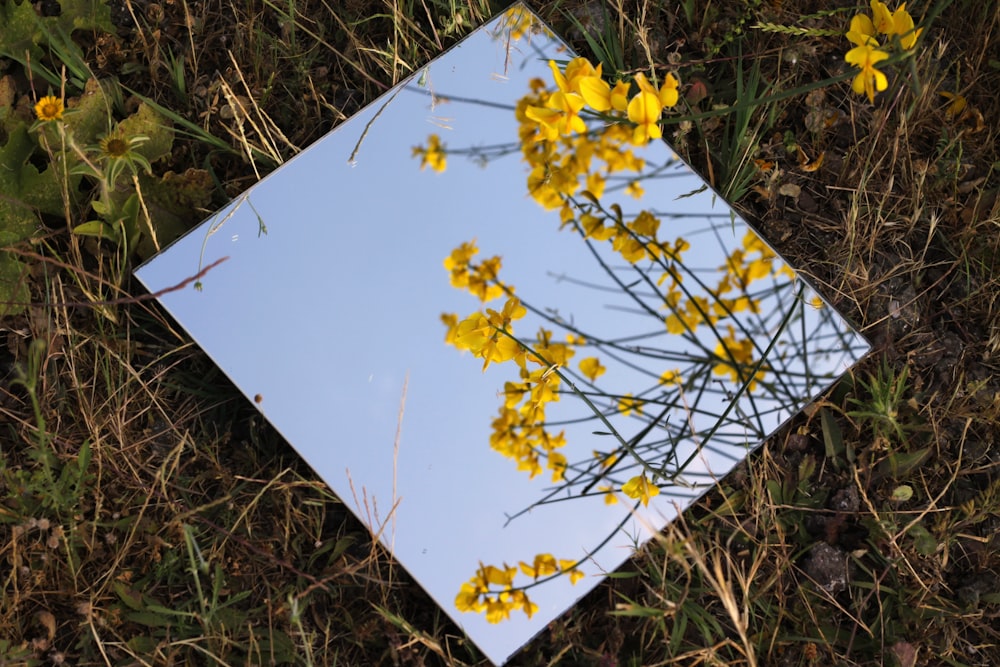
336,307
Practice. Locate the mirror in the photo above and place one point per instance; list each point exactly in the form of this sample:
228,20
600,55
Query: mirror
654,342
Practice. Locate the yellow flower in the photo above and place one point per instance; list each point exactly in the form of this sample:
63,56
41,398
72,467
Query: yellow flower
668,91
902,25
898,22
882,17
862,31
512,310
48,108
644,110
114,145
868,79
640,488
591,368
596,92
956,106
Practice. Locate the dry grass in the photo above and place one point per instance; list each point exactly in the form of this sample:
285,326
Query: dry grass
193,534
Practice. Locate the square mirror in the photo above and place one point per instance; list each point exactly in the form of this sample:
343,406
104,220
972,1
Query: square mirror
515,344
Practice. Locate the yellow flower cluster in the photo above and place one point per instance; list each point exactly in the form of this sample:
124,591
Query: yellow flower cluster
867,52
519,22
518,431
481,280
581,85
745,265
559,147
736,359
489,336
492,589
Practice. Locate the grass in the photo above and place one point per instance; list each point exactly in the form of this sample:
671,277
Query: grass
150,517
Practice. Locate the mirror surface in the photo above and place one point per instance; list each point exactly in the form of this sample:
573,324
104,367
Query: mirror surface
327,314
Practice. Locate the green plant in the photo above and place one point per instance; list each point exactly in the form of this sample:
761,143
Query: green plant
885,391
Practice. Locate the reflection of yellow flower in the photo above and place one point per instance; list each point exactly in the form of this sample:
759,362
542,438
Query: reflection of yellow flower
518,21
627,403
560,115
671,377
496,610
544,565
591,367
433,155
468,599
736,360
570,566
450,320
49,107
640,488
868,79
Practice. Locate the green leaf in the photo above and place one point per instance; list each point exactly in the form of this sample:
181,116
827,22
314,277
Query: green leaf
100,207
902,493
149,619
777,493
131,597
276,649
147,122
23,185
14,293
923,541
98,229
900,464
25,31
833,439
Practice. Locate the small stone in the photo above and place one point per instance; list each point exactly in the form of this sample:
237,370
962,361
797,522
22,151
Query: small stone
827,566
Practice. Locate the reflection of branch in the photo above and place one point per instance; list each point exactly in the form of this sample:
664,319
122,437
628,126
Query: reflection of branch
351,160
438,97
